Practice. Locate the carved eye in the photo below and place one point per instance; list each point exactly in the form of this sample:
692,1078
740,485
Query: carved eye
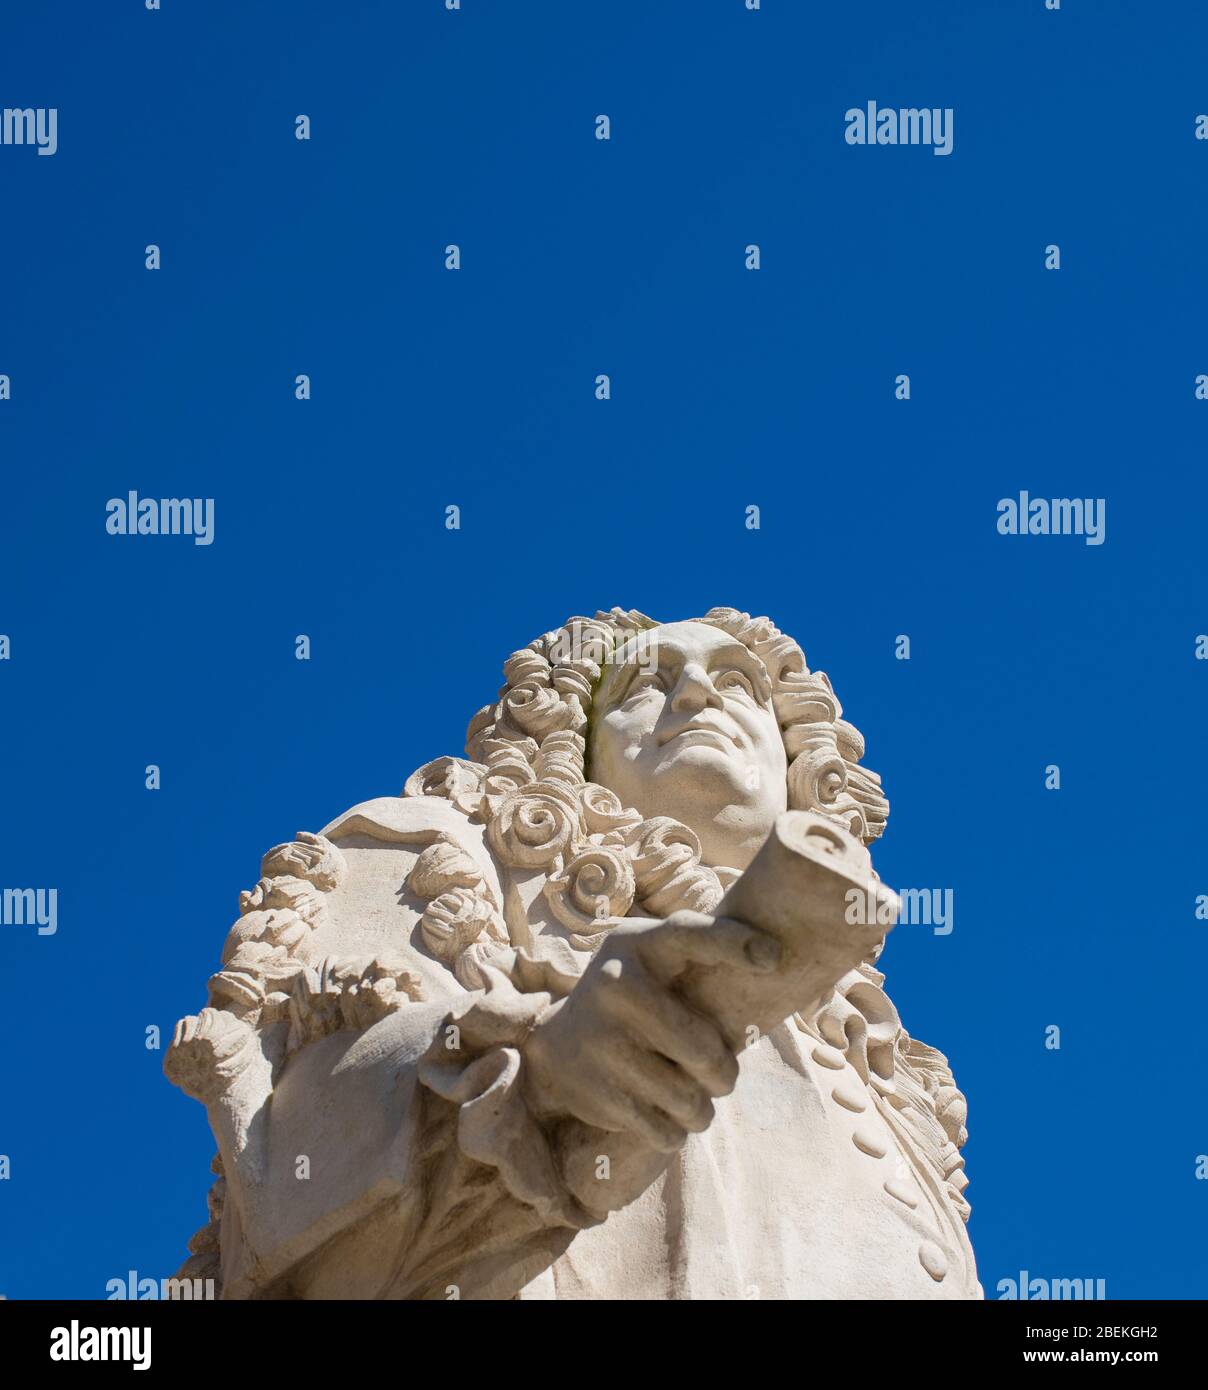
734,683
643,684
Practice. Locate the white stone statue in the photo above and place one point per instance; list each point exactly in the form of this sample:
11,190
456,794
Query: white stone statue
587,1013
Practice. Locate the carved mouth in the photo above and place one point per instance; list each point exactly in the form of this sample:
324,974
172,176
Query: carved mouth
696,733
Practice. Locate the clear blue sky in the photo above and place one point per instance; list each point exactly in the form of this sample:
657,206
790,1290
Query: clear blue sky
729,388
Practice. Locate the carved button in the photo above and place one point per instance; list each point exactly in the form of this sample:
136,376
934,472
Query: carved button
870,1142
933,1260
849,1098
829,1057
896,1187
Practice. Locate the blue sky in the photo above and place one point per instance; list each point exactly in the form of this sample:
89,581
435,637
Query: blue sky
730,388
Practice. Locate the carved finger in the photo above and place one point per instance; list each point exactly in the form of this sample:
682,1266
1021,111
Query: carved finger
668,1088
691,938
656,1130
679,1033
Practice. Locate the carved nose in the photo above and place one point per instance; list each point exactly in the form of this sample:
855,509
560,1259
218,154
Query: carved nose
695,691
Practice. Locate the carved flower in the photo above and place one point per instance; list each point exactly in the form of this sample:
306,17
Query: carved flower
471,967
952,1110
272,927
455,779
349,992
207,1051
290,894
443,865
456,919
255,970
308,856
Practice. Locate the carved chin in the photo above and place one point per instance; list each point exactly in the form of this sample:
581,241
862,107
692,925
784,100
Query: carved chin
692,768
710,757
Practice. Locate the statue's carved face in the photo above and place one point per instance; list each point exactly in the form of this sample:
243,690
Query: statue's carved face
683,726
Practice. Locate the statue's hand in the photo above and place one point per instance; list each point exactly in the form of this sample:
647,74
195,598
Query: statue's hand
623,1051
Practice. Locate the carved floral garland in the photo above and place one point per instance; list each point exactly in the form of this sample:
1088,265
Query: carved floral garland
271,976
